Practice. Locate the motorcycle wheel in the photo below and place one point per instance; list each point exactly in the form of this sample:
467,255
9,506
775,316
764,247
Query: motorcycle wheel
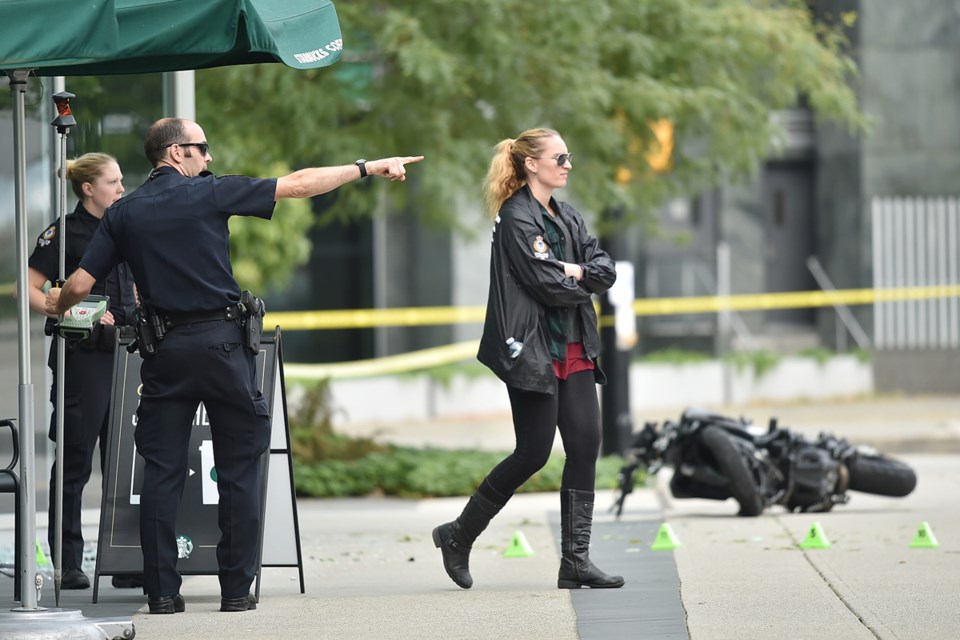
683,487
731,464
882,476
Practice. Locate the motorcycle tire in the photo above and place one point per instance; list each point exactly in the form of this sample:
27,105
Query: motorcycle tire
881,476
683,487
731,464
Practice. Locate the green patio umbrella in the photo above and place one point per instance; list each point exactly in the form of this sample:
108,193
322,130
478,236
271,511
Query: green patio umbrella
40,33
110,37
170,35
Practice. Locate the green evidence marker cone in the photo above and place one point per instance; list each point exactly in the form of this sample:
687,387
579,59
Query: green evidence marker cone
666,539
816,538
924,538
41,557
519,547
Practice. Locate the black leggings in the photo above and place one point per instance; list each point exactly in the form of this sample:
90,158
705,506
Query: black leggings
536,416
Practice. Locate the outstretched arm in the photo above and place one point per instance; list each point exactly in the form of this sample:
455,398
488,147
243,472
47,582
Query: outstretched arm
307,183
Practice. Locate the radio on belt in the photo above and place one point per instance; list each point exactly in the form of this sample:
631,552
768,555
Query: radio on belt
83,317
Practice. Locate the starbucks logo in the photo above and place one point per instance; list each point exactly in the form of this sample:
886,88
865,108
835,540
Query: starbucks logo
184,547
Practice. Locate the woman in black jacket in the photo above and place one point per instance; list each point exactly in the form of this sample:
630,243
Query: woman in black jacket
540,337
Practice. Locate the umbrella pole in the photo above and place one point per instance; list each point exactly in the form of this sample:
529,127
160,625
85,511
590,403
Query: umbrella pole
62,122
31,620
30,581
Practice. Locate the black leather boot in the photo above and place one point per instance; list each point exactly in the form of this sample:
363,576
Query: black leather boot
455,539
576,521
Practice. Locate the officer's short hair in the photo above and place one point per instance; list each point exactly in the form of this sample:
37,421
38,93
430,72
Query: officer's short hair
161,135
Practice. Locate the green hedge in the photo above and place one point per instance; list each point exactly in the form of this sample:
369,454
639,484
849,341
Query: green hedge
418,473
332,465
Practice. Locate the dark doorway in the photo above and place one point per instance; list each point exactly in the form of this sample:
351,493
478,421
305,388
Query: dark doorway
789,234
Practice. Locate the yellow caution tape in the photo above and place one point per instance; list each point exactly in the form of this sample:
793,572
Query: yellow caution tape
419,316
365,318
423,359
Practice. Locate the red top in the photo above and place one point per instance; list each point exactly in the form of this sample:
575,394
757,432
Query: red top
576,361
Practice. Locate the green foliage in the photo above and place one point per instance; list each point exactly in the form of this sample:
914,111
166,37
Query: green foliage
450,78
264,254
821,356
418,473
329,464
761,361
312,437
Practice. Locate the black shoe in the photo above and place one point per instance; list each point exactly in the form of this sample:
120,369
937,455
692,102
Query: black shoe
455,539
243,603
576,523
456,557
74,578
130,581
168,604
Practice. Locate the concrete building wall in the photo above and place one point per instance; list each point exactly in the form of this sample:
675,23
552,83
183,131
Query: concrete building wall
909,85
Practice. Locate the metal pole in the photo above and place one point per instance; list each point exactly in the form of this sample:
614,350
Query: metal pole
30,581
844,315
723,320
179,94
63,121
615,417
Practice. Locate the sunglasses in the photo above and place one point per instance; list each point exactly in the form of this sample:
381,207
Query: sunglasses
561,158
202,147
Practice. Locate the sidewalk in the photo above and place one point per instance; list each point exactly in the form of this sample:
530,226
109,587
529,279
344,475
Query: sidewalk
371,570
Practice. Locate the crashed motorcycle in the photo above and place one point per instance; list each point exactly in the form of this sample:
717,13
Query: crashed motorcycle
717,457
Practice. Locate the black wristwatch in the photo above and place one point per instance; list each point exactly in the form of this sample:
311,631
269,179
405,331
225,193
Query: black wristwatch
363,167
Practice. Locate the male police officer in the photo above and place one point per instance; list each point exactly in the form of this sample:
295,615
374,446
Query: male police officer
172,232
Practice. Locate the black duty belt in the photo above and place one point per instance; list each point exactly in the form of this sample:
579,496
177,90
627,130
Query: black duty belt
126,331
178,319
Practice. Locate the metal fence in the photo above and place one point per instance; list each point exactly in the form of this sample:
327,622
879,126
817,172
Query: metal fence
915,244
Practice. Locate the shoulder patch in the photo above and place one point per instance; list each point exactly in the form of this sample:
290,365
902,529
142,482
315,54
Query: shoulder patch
48,234
540,248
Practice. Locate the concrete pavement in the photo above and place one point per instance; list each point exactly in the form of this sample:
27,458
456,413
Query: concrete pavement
371,570
745,578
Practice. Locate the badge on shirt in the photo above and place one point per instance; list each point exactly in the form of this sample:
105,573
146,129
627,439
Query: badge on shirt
47,235
540,248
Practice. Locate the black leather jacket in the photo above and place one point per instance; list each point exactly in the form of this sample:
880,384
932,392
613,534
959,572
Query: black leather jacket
525,279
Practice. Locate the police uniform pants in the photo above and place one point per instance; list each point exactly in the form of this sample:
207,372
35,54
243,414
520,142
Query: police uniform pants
86,403
203,362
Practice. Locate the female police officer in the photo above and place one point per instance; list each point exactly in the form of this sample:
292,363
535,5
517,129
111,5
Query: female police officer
173,233
97,182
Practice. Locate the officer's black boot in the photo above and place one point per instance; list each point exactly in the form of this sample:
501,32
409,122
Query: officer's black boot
576,520
455,539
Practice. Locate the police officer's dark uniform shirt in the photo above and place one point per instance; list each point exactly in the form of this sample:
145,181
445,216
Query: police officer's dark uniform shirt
81,226
173,233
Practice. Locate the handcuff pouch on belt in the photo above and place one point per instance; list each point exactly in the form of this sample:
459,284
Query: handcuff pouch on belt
252,311
149,330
